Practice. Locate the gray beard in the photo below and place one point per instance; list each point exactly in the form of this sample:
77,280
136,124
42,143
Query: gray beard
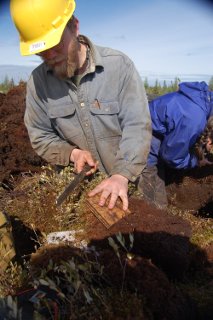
65,70
69,66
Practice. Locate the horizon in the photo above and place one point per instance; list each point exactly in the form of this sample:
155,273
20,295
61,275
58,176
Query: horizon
19,73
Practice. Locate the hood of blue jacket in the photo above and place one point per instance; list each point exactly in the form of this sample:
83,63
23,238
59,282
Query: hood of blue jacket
199,93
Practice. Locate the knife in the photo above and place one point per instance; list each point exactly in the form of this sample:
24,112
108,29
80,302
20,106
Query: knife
72,185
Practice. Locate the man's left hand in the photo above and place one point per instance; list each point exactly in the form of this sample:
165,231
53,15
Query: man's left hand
115,186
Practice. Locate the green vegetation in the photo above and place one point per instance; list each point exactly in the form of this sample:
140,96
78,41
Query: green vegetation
160,89
6,85
211,83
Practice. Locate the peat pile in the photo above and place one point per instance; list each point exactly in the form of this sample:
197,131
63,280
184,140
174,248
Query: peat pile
16,153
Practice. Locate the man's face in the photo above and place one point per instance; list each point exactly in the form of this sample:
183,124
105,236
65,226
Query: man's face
63,58
209,145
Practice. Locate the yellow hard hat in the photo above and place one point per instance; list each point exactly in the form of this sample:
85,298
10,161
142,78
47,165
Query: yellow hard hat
40,23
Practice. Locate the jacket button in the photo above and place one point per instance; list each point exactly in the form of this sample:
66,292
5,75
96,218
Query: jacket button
82,104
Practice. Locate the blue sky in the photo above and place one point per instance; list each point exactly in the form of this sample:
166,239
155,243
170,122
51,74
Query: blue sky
160,36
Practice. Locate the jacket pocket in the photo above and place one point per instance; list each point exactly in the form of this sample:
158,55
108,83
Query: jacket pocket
60,108
105,119
62,114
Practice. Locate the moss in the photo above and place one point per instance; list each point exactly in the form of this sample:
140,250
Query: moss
202,228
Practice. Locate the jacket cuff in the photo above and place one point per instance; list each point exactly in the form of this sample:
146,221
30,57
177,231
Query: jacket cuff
131,175
64,155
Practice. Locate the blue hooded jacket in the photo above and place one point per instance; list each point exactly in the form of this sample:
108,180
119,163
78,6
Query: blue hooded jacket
178,119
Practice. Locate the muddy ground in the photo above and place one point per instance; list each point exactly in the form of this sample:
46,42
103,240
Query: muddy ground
165,249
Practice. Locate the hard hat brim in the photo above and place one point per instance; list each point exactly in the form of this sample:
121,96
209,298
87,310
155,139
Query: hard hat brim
49,40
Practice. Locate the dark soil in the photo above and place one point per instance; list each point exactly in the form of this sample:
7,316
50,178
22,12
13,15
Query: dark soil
163,251
157,235
16,153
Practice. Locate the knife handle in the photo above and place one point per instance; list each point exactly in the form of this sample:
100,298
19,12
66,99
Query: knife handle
86,168
80,176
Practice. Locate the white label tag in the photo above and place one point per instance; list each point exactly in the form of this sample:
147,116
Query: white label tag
37,46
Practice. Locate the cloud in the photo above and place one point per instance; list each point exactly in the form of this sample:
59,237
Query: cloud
120,37
200,50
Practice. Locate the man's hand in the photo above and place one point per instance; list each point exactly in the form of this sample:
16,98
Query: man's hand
115,186
204,162
80,158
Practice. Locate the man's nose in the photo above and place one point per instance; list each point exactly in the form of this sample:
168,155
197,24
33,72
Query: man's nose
49,53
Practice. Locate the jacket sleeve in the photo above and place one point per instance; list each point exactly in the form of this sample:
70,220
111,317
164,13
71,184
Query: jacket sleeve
178,121
44,139
176,145
135,122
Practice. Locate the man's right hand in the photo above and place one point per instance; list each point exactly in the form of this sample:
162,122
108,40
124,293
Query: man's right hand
113,188
80,158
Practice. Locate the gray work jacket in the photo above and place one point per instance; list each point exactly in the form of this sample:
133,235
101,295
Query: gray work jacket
107,114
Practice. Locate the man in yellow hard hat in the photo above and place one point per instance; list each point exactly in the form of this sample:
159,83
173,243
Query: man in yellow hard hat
85,103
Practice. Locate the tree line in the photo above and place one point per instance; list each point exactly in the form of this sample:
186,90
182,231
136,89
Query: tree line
156,89
160,89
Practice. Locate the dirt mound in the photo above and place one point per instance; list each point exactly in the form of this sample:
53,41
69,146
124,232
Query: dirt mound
157,235
192,189
2,96
16,153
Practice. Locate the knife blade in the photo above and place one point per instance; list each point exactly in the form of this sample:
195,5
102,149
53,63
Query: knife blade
72,185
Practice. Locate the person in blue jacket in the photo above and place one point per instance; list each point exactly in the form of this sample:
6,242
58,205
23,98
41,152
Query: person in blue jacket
182,124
